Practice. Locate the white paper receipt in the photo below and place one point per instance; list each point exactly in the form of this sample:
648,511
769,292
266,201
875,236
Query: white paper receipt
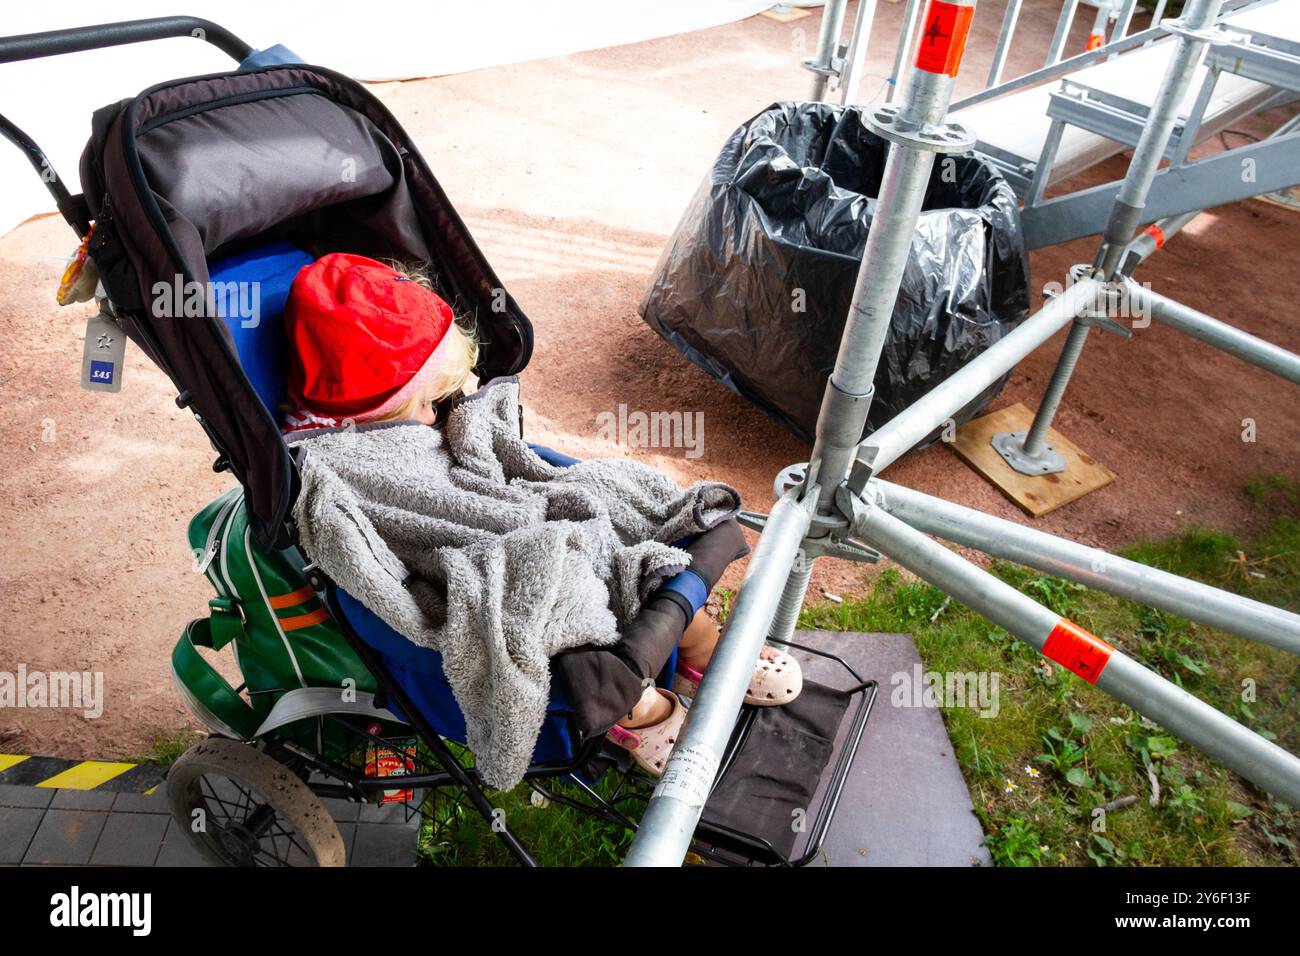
689,775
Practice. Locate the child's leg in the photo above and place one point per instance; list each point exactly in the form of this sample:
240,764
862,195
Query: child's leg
701,637
698,641
652,708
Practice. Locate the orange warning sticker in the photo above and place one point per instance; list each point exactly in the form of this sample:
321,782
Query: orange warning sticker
1156,233
1077,650
1095,42
944,39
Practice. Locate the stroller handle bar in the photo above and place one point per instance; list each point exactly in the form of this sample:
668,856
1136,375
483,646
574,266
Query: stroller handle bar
31,46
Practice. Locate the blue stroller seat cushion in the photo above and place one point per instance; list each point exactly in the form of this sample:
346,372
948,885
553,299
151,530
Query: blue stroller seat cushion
250,289
419,672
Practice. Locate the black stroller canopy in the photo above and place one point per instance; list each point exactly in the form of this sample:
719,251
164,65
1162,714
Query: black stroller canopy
193,170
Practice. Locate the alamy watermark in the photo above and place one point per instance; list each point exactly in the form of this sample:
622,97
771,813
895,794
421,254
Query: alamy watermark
638,429
75,908
977,690
55,690
191,299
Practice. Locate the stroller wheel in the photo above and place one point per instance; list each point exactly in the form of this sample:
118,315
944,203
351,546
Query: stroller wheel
241,807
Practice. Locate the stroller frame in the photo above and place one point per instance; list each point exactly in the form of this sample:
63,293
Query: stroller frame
716,843
441,769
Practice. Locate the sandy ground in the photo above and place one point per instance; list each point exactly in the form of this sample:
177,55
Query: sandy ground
572,173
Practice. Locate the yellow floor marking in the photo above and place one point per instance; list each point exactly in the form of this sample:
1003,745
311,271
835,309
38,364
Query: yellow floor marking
86,775
8,760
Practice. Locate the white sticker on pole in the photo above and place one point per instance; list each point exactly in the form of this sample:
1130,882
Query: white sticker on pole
689,775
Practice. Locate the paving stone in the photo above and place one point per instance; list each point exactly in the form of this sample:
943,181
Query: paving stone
177,850
65,837
14,795
130,839
179,853
387,813
378,844
82,799
141,777
155,802
348,831
17,826
341,809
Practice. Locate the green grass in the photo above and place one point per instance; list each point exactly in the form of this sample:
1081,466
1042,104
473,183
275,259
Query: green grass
455,834
1084,749
167,748
1059,748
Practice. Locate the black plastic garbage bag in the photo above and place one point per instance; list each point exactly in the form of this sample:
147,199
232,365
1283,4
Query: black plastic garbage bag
755,284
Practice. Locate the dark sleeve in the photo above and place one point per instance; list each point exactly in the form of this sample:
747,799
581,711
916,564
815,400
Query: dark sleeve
604,683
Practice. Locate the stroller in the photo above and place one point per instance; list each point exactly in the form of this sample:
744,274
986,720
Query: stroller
333,703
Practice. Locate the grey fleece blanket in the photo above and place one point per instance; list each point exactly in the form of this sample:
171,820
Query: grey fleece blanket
462,539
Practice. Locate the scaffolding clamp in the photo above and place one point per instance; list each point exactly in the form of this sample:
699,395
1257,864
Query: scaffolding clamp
1111,298
885,120
1210,34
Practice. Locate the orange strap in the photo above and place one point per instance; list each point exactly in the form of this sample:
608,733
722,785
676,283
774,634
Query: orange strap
1156,233
300,596
304,620
1077,650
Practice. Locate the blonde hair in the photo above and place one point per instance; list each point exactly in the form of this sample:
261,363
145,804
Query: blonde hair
461,355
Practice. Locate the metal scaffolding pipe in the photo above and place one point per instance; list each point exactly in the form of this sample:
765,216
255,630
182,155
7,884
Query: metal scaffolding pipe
664,834
1032,455
849,390
786,618
910,21
1146,242
1009,20
828,41
1091,566
855,59
897,436
1222,336
1187,717
848,393
1124,19
1036,440
1062,32
1126,213
916,131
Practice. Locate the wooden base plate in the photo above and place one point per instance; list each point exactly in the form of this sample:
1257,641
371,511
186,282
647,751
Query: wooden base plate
785,14
1035,494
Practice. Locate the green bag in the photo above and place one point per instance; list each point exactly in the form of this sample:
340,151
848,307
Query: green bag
282,637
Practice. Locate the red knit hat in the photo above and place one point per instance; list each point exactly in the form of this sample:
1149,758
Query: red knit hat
363,339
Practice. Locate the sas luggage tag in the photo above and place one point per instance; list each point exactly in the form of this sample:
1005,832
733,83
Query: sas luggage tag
104,354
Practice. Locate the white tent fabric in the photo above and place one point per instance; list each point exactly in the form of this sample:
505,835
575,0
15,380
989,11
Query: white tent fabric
52,99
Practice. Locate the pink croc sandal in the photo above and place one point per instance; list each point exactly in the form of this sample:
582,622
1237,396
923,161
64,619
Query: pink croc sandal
650,746
774,682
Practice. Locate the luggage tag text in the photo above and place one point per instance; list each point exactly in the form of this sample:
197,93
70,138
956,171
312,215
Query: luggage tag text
104,354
